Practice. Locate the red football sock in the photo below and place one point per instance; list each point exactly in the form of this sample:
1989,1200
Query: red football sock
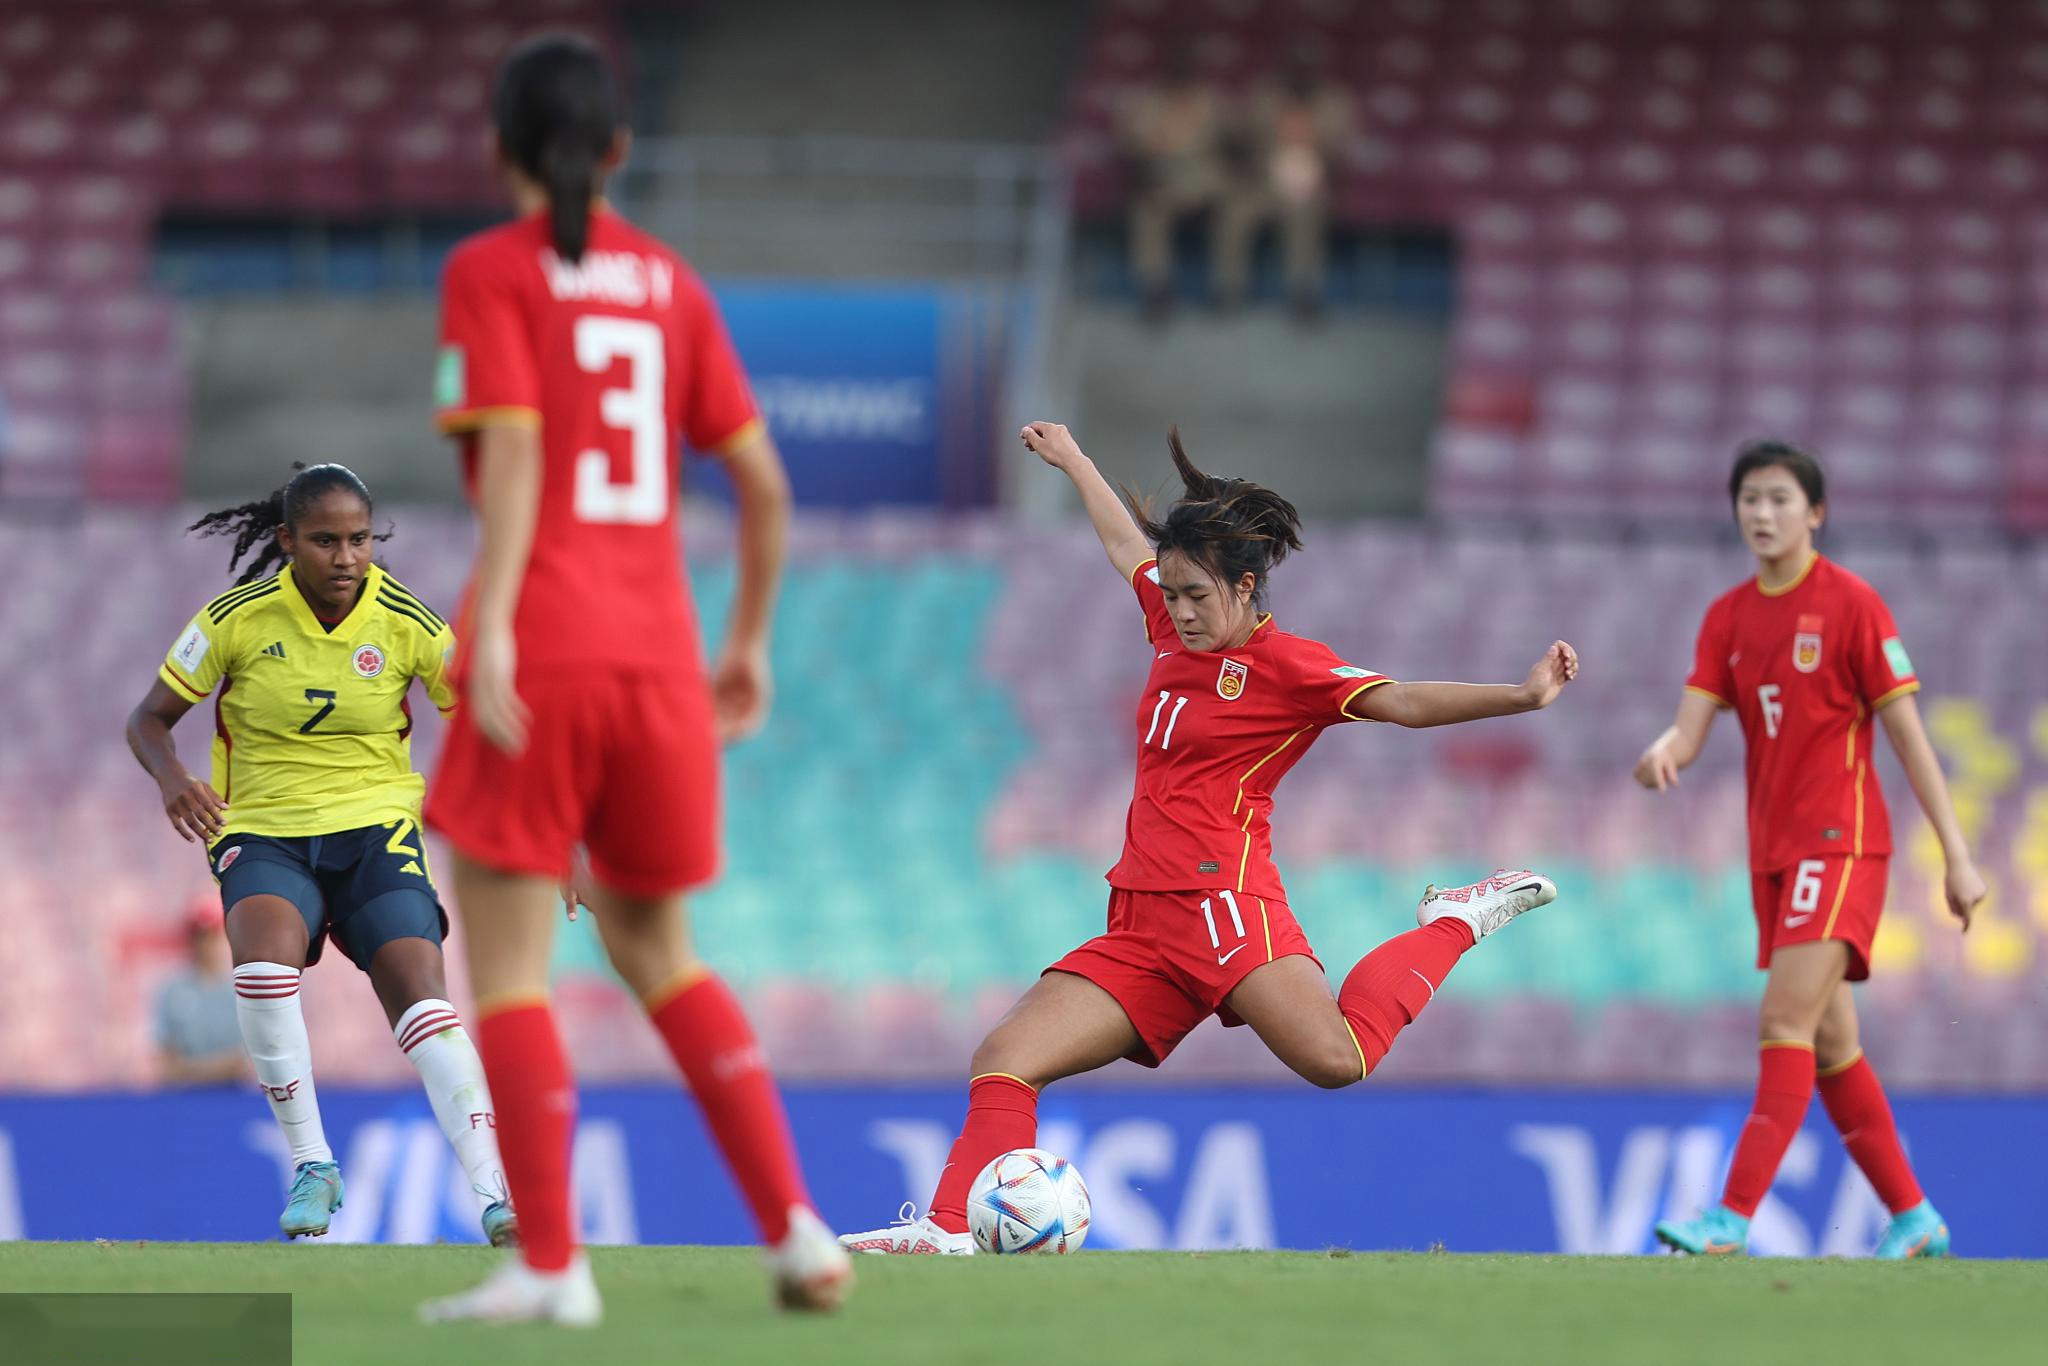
708,1035
1390,986
535,1098
1002,1113
1784,1086
1856,1102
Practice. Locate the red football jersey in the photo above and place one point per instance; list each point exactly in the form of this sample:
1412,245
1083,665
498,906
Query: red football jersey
617,359
1805,668
1217,731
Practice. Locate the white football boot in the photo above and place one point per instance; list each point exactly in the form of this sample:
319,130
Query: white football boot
516,1293
910,1236
1488,904
810,1268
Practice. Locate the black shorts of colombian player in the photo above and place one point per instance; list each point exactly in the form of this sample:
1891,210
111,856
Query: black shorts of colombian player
365,887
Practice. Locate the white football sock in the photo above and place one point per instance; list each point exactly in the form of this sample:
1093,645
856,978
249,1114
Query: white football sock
274,1032
431,1034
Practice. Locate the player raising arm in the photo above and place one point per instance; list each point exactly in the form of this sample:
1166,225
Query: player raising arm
577,354
1804,654
1198,919
311,821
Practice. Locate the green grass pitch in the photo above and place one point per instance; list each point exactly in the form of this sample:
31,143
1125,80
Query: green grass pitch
690,1305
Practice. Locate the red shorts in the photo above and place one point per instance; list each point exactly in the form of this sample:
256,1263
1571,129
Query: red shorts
625,764
1170,958
1835,897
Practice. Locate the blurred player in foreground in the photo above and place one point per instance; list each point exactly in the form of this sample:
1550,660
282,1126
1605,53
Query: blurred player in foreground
577,352
1805,654
312,819
1198,920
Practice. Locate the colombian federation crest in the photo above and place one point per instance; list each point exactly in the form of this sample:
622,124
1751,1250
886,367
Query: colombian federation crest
369,661
1806,645
1230,683
227,859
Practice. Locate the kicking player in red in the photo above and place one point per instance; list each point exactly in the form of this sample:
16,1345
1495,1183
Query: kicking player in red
577,352
1198,920
1805,654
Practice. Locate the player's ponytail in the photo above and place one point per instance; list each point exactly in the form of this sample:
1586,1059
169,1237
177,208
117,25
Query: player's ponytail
557,114
1230,527
254,524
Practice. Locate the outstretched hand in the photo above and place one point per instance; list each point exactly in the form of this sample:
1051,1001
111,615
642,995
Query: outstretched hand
1559,666
1052,442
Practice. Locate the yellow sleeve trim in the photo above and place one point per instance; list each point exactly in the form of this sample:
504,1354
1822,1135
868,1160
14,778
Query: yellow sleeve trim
1364,1067
476,419
747,431
189,691
1713,697
1344,707
1895,694
1139,568
1787,1043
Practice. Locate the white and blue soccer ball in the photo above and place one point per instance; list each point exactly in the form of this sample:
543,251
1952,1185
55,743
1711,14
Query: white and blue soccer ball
1029,1200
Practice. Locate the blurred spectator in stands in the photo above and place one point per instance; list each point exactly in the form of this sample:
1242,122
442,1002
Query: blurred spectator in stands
1295,128
1172,133
198,1040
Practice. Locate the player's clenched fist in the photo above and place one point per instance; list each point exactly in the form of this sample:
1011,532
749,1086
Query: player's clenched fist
1053,442
1559,666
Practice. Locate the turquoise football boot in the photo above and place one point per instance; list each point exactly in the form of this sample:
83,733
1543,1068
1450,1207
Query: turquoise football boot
1720,1232
315,1196
1919,1232
501,1225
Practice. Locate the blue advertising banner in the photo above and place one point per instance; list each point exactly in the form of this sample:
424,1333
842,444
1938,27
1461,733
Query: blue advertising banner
875,394
1200,1168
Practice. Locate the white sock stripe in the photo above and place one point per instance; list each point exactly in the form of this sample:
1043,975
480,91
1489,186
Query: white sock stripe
1426,982
281,995
425,1028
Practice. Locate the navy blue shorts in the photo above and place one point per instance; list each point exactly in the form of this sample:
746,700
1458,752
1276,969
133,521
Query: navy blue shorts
365,887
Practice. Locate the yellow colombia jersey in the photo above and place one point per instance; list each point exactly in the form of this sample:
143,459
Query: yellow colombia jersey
311,725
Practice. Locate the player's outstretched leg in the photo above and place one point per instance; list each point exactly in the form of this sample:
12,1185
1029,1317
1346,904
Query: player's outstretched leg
1388,988
411,981
274,1033
431,1036
708,1034
1064,1025
1856,1103
510,919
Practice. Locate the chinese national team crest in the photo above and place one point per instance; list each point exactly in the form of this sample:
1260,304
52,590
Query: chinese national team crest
369,661
1806,645
1230,683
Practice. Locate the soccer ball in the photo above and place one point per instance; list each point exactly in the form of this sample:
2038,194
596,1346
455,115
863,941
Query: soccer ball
1028,1200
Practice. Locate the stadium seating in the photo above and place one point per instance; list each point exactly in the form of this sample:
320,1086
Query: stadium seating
113,113
924,823
1686,222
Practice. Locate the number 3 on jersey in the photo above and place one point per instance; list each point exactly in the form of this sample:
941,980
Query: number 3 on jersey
636,409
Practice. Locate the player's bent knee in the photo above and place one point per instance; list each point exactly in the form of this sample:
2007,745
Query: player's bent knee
1333,1070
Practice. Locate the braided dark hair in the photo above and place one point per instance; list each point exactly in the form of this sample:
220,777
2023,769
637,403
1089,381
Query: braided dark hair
255,524
557,113
1230,527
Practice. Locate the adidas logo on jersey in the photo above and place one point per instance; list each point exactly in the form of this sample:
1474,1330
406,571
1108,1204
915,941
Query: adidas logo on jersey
275,649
